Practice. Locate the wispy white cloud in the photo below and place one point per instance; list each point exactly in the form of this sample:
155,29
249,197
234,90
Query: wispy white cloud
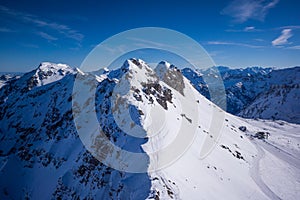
243,10
214,53
43,25
254,29
249,28
259,39
30,45
289,27
6,30
46,36
120,49
246,29
143,43
297,47
233,44
283,38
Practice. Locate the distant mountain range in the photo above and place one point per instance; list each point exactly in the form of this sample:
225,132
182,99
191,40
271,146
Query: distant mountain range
255,92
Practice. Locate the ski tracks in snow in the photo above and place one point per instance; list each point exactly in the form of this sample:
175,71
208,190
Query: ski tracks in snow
281,154
255,174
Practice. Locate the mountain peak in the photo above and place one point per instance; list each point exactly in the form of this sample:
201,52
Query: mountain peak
48,66
48,72
170,75
134,63
162,68
164,63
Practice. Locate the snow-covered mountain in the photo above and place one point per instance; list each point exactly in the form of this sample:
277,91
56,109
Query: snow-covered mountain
250,92
6,76
280,100
140,110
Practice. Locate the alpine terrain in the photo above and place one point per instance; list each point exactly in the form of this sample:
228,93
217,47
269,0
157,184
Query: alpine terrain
254,92
51,149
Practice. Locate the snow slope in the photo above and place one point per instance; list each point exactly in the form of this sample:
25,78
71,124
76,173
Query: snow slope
43,157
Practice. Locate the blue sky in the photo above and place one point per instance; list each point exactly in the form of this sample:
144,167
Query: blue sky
236,33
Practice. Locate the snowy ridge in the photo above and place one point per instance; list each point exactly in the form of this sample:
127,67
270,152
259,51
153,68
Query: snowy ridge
8,76
49,72
39,140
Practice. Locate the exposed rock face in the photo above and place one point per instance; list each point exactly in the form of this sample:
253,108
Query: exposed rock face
171,76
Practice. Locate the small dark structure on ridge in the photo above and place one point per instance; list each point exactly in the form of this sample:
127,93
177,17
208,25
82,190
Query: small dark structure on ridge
262,135
243,128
